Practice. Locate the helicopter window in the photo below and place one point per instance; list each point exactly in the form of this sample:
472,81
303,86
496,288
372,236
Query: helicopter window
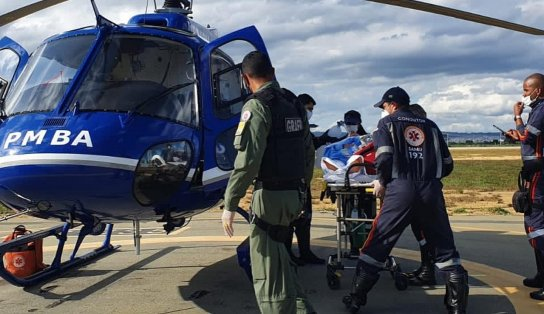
47,75
8,65
225,153
229,90
144,75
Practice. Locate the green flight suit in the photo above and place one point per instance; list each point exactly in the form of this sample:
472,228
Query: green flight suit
274,277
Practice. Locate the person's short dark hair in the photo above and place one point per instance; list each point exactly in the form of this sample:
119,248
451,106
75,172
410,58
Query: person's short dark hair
396,94
257,64
305,98
352,117
418,110
538,79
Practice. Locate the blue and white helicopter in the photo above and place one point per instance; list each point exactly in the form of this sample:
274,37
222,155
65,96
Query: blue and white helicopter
119,122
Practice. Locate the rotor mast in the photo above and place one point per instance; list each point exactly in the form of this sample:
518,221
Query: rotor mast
176,6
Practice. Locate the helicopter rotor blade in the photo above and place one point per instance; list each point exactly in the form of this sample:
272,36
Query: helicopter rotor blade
432,8
27,10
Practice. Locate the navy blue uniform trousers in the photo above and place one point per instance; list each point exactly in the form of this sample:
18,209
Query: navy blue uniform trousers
534,220
406,201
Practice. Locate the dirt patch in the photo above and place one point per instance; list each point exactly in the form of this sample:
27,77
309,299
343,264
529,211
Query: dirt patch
479,202
457,202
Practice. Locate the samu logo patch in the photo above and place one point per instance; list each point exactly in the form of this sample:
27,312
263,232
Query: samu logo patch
414,136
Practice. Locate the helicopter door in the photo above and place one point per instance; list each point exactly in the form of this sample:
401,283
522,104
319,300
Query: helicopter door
223,96
13,58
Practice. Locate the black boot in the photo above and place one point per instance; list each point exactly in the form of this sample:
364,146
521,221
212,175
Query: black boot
456,297
303,237
539,294
425,274
362,284
538,280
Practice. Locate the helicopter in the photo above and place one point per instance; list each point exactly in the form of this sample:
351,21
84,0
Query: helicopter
135,121
114,122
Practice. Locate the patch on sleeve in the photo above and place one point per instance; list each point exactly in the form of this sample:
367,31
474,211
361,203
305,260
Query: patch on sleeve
240,129
246,115
242,124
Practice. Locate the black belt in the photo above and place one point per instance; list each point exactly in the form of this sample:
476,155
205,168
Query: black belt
277,233
278,185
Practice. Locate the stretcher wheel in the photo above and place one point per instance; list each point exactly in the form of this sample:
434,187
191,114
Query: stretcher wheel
401,281
333,280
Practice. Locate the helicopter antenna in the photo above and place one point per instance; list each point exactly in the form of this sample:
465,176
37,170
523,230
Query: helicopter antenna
27,10
463,15
100,20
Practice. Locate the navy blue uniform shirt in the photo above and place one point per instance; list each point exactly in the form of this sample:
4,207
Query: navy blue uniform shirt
410,147
531,137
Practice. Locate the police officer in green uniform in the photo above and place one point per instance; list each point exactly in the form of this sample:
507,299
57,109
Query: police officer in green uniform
274,151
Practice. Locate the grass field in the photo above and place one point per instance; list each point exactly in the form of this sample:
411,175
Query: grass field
483,175
479,169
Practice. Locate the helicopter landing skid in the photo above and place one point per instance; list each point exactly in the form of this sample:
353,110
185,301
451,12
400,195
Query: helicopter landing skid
57,267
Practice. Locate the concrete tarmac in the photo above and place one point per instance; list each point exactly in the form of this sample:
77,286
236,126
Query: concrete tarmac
195,270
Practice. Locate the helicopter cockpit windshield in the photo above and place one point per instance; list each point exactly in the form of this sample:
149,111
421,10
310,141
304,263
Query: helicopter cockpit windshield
145,75
47,75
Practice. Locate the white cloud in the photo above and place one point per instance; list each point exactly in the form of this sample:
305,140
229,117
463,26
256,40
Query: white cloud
346,53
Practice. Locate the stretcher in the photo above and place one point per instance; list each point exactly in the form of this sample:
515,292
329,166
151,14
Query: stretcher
355,213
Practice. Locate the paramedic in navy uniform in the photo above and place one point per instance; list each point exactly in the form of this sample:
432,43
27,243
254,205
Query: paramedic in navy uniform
411,158
532,140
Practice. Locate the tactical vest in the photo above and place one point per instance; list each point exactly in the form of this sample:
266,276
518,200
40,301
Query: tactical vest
282,166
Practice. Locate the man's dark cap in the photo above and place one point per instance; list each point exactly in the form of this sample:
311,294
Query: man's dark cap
305,99
395,94
352,117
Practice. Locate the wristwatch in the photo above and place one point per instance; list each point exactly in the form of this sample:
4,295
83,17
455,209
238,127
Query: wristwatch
517,117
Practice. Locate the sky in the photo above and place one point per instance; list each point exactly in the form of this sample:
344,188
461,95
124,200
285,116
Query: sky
347,53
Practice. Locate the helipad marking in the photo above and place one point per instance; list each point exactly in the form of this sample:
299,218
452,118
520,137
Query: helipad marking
490,230
180,230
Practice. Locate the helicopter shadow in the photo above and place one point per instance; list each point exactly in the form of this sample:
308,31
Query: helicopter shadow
224,287
45,290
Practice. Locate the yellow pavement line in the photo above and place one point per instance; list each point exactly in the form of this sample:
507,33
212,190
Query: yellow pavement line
502,231
180,230
453,225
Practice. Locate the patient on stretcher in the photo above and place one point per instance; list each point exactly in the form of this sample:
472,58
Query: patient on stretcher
338,156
